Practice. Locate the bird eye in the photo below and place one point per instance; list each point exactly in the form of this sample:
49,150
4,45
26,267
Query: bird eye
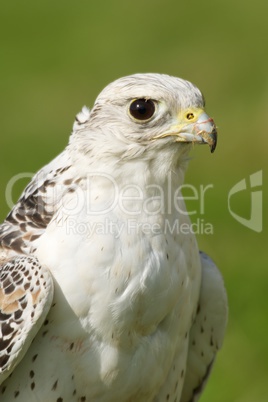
142,109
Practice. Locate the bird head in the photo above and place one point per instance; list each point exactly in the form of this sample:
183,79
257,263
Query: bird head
143,112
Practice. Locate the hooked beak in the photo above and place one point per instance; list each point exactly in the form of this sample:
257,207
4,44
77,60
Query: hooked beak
201,130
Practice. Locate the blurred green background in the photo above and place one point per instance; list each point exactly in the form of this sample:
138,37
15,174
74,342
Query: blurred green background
57,55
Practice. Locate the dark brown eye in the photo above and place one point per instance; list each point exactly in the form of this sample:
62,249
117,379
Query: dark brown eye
142,109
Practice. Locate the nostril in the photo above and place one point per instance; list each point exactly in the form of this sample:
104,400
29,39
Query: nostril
190,116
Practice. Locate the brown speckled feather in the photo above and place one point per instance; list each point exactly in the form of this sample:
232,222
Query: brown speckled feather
26,287
34,210
26,291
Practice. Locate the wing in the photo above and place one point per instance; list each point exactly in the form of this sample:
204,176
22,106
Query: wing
207,332
26,292
37,205
26,287
28,219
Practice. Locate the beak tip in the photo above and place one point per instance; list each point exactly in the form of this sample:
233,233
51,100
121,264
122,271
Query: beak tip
210,139
213,147
213,141
206,129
